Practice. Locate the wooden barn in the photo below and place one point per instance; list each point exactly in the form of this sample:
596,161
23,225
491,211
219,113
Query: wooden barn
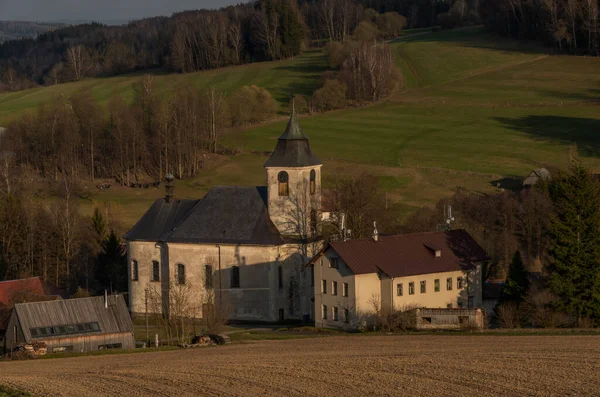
79,325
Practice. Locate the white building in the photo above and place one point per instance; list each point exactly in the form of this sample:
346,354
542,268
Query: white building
246,247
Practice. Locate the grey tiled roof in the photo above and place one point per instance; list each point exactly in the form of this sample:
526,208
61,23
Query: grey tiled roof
293,148
226,215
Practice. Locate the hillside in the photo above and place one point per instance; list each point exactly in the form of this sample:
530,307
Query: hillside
477,109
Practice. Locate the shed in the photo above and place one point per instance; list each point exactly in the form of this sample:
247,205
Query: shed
535,176
80,325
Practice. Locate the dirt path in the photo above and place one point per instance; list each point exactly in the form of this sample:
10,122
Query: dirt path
347,365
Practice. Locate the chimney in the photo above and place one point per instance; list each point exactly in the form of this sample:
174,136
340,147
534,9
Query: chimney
169,185
375,232
106,299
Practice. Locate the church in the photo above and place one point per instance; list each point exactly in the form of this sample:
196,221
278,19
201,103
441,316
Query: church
241,249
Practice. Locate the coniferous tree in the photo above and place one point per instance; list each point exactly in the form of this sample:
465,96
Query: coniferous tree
574,266
516,285
111,266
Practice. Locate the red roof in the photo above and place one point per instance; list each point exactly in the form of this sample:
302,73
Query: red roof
410,254
8,289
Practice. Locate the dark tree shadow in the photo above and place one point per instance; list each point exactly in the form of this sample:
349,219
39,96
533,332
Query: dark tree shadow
589,96
584,132
514,183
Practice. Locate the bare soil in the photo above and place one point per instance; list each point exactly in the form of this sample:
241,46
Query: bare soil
347,365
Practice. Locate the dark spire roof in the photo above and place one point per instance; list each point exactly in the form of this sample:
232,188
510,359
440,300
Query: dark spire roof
293,148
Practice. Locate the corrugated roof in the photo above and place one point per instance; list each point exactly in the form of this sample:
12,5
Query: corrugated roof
113,319
293,148
8,289
160,219
406,254
228,214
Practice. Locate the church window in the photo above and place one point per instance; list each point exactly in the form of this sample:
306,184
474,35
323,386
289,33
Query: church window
181,274
208,277
235,277
280,276
283,180
134,270
155,271
313,182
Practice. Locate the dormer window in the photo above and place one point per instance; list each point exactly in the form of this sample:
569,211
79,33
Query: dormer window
313,182
435,249
283,181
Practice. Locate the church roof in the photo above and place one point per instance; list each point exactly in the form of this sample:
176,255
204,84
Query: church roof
229,215
293,148
226,215
160,219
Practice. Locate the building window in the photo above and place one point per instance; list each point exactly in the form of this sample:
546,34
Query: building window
334,288
411,288
235,277
324,312
280,276
323,286
460,283
334,263
335,314
208,277
449,284
181,274
423,286
400,289
346,315
345,289
134,270
313,181
283,180
436,285
155,271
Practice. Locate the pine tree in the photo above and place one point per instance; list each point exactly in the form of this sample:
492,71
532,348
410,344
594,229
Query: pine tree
574,266
517,283
99,224
111,269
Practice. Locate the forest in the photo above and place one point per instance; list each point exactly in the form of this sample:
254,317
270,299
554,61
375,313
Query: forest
196,40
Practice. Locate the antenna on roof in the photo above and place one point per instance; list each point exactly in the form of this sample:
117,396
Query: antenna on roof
449,219
375,234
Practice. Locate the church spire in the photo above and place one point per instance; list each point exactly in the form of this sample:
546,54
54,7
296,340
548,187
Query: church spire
293,147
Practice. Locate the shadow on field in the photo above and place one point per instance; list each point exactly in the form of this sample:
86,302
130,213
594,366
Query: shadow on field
513,183
590,96
584,132
478,37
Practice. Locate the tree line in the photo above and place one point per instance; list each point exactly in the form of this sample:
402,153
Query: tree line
569,25
132,143
544,241
189,41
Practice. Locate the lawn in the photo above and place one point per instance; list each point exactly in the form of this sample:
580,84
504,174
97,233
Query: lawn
476,108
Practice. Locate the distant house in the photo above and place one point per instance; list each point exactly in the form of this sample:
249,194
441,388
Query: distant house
535,176
24,290
80,325
426,270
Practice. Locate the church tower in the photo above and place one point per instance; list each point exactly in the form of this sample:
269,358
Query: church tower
294,184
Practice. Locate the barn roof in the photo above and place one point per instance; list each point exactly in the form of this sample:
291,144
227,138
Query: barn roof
293,148
535,175
10,289
410,254
160,219
114,318
228,214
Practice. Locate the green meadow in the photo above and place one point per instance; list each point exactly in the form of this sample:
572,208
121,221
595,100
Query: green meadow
475,109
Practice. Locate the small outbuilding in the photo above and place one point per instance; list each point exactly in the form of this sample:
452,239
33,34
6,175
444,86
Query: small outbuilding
445,319
79,325
540,174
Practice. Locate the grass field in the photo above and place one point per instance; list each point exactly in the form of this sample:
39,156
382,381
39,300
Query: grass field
414,365
476,109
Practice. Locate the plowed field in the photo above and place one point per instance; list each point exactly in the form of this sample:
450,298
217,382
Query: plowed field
345,366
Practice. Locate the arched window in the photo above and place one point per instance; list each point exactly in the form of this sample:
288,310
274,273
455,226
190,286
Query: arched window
134,270
313,181
208,277
283,180
235,277
181,274
155,271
